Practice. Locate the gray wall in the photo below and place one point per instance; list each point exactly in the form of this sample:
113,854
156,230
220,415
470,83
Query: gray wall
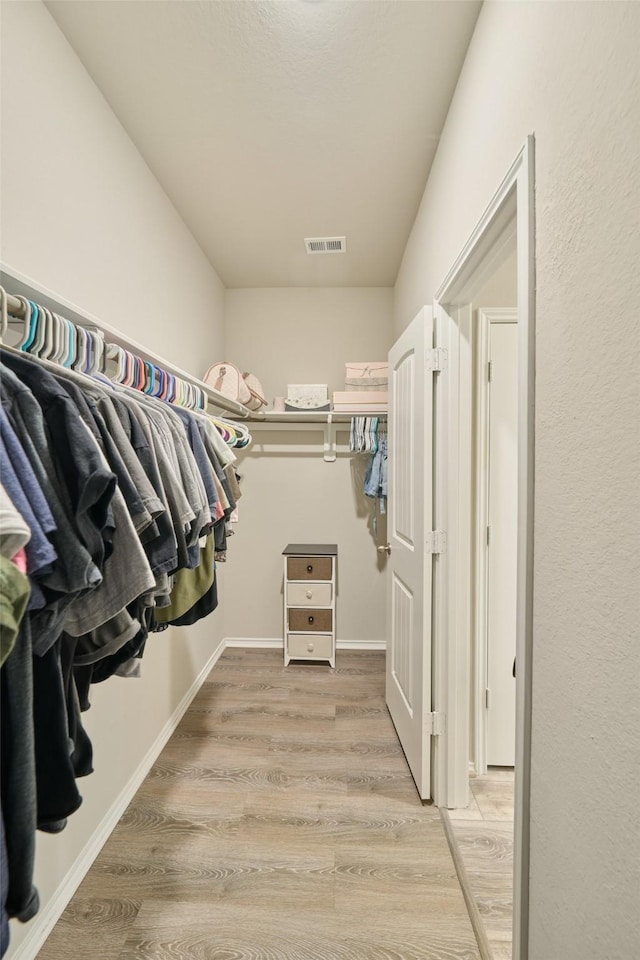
83,216
570,74
304,335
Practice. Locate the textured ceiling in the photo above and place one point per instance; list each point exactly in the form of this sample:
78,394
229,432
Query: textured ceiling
269,122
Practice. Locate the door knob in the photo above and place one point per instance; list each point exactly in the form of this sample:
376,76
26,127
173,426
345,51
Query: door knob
385,549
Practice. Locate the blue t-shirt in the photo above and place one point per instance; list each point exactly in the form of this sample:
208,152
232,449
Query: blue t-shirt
22,486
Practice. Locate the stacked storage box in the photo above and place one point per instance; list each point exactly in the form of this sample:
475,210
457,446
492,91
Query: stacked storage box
306,397
366,389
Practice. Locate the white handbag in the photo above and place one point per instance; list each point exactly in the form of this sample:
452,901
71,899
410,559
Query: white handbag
255,389
243,387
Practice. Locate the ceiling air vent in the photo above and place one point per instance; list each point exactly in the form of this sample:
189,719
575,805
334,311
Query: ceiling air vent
326,244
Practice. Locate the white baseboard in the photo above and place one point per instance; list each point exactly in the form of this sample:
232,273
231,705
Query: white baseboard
259,643
276,643
43,924
361,645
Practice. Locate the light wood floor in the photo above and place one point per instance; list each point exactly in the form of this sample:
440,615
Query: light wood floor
484,834
279,823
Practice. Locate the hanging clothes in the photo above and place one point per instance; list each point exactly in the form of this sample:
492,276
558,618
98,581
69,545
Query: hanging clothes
114,507
369,435
364,434
14,596
375,481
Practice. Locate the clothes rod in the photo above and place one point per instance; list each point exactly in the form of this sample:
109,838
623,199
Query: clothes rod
28,289
16,308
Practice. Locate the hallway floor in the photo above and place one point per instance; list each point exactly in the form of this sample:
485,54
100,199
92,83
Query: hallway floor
484,833
280,822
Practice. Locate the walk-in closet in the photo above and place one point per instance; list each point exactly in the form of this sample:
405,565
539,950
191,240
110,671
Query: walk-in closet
318,480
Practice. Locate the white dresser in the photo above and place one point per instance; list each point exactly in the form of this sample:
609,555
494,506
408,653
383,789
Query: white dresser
310,601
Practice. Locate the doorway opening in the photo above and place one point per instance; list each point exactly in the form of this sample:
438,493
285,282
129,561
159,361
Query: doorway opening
505,234
483,830
495,505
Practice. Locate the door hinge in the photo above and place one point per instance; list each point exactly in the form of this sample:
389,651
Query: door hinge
489,371
488,534
437,541
437,359
435,724
486,698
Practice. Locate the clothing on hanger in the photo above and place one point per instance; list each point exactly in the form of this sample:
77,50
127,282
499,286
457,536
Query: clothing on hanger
375,481
364,434
113,506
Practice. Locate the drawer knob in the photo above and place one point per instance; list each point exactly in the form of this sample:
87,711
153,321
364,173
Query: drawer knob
310,619
309,594
310,647
309,568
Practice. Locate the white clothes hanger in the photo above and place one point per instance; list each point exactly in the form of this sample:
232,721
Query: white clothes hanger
4,315
26,321
69,339
98,351
48,348
89,361
61,338
115,359
81,355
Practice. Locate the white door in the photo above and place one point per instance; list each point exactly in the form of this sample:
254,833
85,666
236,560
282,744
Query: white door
502,541
408,662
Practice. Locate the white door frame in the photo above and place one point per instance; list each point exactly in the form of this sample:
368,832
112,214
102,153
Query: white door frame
486,316
509,215
452,569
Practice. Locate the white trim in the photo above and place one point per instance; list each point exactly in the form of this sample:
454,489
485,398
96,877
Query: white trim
361,645
499,314
452,623
277,643
524,632
47,919
477,923
512,203
486,316
495,230
256,643
463,594
440,651
482,519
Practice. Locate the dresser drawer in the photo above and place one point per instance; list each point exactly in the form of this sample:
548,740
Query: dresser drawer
309,594
310,619
309,568
300,646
